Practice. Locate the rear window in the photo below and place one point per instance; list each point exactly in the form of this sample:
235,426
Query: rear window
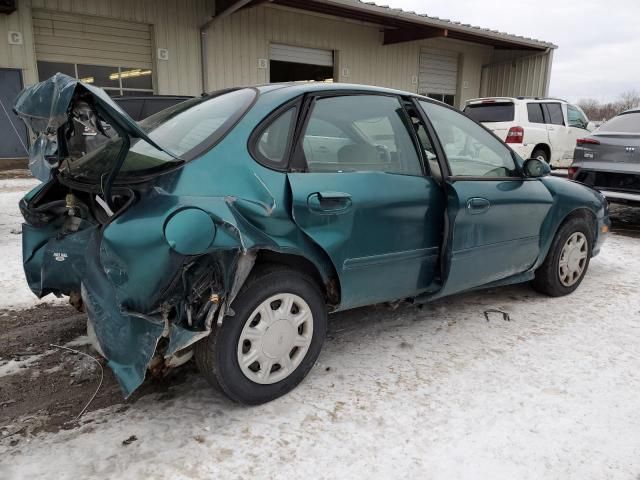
534,111
624,123
490,112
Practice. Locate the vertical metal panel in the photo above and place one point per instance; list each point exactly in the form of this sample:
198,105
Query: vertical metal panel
517,74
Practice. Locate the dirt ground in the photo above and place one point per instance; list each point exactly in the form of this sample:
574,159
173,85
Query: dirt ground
50,391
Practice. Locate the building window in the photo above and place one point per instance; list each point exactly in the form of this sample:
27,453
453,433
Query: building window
123,80
448,99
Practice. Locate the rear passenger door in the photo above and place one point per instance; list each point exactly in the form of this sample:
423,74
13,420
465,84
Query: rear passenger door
360,190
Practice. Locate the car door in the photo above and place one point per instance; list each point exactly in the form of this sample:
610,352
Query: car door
494,214
557,131
368,204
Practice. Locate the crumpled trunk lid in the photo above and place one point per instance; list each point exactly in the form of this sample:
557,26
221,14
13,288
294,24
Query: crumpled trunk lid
60,111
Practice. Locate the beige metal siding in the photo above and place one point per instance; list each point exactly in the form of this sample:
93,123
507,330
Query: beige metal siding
358,50
174,26
438,71
91,40
517,76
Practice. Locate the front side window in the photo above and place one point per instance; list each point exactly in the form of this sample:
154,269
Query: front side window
470,149
576,118
359,133
554,113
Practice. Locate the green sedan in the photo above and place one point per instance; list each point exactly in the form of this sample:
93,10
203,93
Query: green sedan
228,226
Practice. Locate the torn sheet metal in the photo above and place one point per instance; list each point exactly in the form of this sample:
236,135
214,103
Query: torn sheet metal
49,109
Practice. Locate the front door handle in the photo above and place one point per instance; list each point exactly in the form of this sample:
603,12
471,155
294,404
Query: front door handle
329,202
478,205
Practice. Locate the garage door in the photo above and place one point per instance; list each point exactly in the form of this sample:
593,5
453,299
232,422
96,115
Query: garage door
113,54
438,76
310,56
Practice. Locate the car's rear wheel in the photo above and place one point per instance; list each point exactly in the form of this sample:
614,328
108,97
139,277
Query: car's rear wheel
540,154
567,261
272,341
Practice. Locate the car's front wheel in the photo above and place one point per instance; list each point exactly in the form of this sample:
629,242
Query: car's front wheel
567,261
271,342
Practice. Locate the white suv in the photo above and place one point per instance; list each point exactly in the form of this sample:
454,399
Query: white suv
545,128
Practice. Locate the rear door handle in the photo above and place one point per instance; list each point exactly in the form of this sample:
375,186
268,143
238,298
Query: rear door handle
478,205
329,202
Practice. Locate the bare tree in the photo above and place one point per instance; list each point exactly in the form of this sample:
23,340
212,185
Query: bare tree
595,110
629,99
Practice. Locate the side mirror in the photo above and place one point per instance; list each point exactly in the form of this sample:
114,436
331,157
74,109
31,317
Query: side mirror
535,168
591,126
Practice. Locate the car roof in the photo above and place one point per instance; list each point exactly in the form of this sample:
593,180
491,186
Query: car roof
514,99
307,87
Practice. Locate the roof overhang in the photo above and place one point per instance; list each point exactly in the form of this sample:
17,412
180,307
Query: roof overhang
400,26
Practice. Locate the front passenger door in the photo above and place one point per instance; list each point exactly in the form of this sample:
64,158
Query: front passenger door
495,215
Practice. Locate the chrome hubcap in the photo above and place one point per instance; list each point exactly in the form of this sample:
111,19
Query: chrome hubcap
573,259
275,338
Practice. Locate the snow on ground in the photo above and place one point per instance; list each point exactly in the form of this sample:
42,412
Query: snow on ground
435,393
15,291
10,367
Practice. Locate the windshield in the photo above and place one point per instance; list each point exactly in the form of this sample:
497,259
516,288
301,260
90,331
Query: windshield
623,123
187,130
490,112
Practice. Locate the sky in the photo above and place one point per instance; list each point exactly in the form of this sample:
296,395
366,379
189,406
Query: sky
598,40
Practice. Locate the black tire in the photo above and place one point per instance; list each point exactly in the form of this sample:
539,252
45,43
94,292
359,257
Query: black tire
216,355
547,276
541,154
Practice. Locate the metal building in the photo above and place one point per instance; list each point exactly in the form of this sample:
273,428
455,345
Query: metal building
184,47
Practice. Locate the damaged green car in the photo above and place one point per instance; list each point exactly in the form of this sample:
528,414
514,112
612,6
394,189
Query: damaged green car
228,226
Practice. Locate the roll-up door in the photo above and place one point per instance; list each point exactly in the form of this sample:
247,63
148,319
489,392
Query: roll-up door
310,56
112,54
438,74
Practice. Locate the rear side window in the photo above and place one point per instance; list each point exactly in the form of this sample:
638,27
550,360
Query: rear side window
534,111
491,112
359,133
624,123
554,113
274,140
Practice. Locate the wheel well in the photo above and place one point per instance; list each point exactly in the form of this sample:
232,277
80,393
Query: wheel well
545,148
585,214
330,287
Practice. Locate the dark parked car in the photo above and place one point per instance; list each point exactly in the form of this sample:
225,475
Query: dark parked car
228,226
609,159
142,107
